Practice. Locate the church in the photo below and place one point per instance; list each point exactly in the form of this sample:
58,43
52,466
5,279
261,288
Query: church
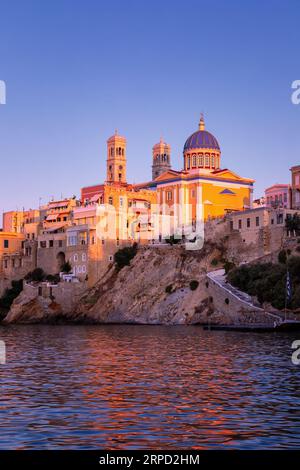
202,190
202,185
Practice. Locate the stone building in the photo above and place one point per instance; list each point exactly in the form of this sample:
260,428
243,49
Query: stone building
278,195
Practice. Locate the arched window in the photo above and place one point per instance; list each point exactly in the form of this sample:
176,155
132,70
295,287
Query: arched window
213,161
201,160
188,162
207,160
194,160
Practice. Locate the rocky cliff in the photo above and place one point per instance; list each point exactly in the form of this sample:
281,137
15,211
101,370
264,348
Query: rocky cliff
163,285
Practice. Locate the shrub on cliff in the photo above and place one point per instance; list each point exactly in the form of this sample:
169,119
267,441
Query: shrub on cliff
54,279
268,281
124,255
169,289
172,240
10,294
194,284
37,275
282,257
66,267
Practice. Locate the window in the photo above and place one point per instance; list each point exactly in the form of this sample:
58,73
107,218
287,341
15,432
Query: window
193,193
83,257
43,244
50,243
189,162
72,240
169,195
279,218
5,264
231,225
194,160
60,243
257,221
76,257
110,200
121,202
213,161
110,258
84,269
285,197
240,223
6,243
201,160
79,269
248,223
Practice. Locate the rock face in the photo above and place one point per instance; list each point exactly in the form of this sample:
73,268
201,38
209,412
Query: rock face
154,289
163,285
36,310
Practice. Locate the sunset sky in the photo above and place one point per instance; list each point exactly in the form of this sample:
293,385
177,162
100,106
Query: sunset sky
77,70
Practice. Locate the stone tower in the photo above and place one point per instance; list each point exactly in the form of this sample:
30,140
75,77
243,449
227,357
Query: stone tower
116,160
161,158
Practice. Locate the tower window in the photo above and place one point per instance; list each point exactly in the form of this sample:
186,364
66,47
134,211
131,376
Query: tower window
213,161
194,160
206,160
169,195
120,176
201,160
189,162
110,200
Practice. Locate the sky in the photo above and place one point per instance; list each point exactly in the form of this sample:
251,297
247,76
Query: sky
76,70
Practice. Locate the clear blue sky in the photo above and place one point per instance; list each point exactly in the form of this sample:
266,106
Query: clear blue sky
76,70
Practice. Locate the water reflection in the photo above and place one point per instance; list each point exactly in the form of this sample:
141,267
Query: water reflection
127,387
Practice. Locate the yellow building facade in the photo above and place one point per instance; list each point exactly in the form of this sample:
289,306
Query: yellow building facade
202,190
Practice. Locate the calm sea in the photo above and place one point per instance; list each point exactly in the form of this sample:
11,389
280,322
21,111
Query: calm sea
131,387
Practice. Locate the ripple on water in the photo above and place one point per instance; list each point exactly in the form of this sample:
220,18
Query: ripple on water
130,387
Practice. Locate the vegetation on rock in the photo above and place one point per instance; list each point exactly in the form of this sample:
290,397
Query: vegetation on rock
123,256
10,294
37,275
268,281
66,267
194,284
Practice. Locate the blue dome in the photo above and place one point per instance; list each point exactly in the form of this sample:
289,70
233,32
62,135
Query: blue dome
201,139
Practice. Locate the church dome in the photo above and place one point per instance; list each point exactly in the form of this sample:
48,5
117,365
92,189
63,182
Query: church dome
201,139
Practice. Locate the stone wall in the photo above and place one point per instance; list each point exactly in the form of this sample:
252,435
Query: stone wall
66,294
230,310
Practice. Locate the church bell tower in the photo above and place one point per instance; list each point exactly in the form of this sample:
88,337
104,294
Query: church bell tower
116,160
161,154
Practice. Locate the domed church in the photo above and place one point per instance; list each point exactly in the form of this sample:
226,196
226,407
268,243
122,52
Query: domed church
203,186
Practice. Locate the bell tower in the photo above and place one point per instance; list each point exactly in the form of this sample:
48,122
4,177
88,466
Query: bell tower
116,160
161,154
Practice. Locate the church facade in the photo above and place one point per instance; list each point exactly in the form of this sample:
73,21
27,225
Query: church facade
201,190
203,186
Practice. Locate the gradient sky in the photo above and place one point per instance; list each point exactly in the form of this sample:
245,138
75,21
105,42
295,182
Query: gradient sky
77,70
